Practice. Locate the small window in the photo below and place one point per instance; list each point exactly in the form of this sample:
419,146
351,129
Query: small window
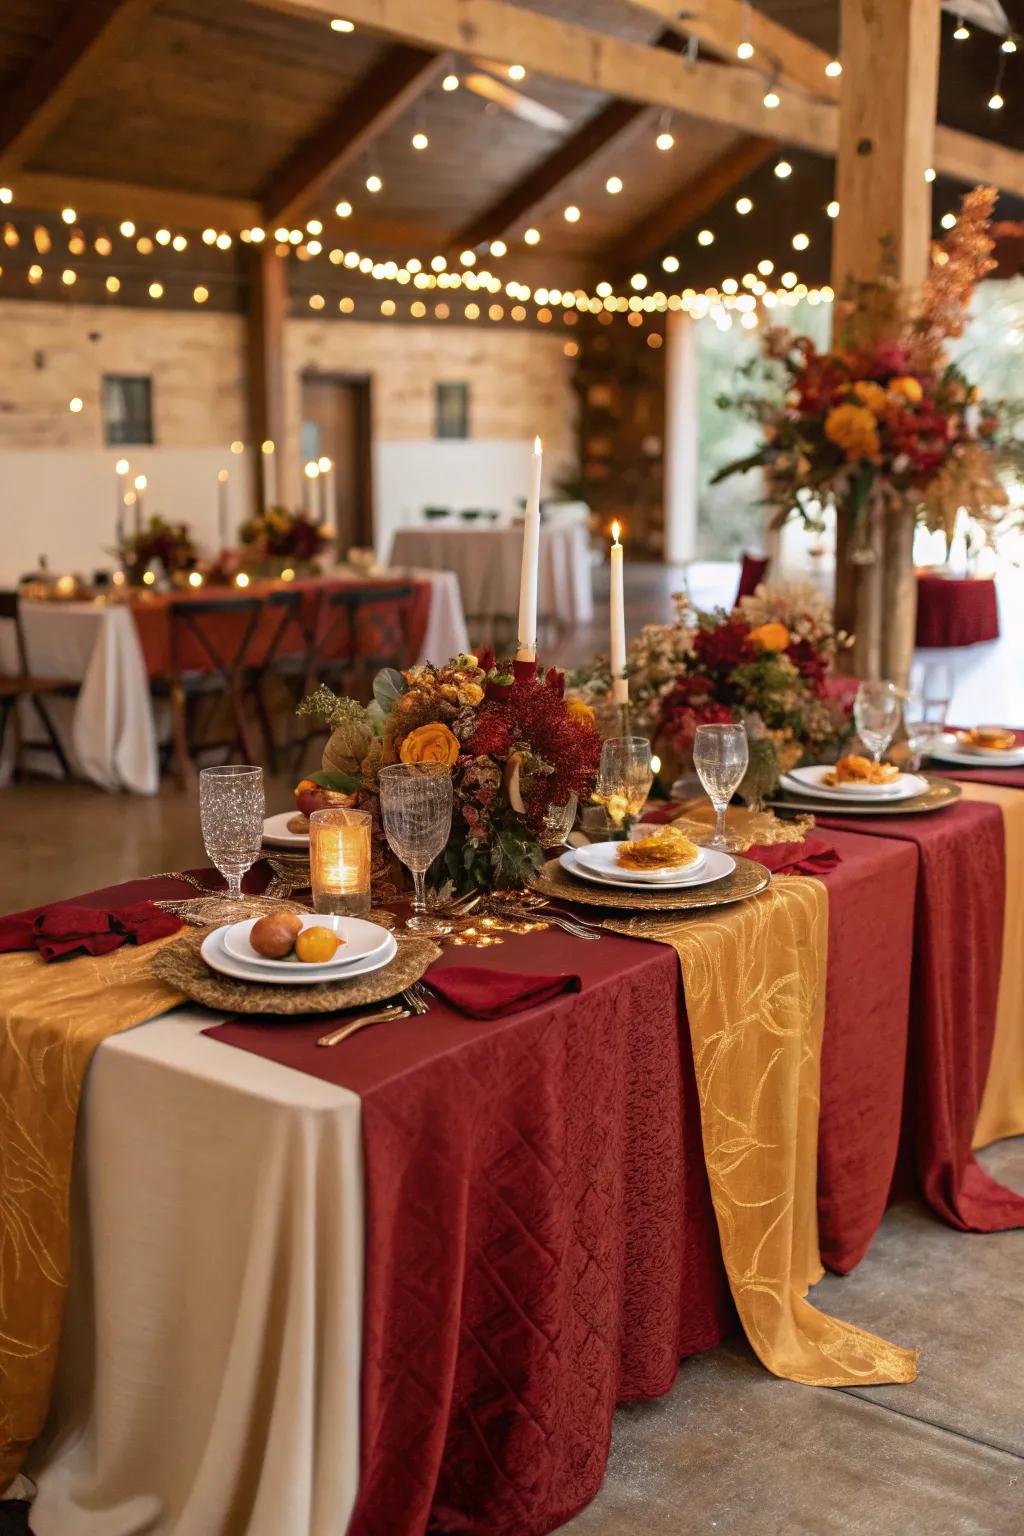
451,410
128,408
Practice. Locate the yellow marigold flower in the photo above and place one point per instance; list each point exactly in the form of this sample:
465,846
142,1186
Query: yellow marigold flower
854,429
470,693
868,393
772,636
432,743
908,387
578,712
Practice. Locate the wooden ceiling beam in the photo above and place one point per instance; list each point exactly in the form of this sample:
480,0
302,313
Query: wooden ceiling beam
719,93
401,76
694,198
31,111
722,25
122,200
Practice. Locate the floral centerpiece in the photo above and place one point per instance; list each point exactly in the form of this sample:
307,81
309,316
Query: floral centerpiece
169,544
768,663
277,538
881,424
516,746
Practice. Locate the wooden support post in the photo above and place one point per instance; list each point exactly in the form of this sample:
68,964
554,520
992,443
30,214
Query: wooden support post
268,309
887,106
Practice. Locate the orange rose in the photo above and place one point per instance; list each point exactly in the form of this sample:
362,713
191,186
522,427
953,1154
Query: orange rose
908,387
433,743
870,394
772,636
578,712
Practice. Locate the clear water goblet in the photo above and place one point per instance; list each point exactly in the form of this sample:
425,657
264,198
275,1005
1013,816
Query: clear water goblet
720,755
558,823
231,812
876,714
416,810
624,779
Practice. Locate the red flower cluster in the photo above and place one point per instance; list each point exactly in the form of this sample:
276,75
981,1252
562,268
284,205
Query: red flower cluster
726,646
531,714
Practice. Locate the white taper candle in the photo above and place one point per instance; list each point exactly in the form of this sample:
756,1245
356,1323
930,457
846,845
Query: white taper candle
531,562
620,687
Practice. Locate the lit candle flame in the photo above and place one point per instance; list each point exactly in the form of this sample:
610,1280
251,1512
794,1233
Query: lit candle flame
537,445
616,530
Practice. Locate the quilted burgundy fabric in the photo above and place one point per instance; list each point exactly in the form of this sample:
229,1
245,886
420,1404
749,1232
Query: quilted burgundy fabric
958,942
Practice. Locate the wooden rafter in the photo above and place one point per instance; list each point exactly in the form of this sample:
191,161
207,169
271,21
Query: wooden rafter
93,29
565,50
124,200
402,75
688,202
722,25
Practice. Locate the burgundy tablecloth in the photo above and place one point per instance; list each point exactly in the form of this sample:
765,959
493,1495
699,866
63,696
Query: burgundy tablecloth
985,773
955,611
958,933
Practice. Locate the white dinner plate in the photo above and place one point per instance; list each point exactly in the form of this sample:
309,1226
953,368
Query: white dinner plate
948,750
715,867
276,833
603,859
811,781
218,959
361,938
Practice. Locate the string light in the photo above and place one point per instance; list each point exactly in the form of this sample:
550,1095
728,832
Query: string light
200,294
772,99
833,69
6,195
179,243
450,83
343,209
373,184
929,174
516,72
664,140
783,169
669,264
948,220
35,273
163,237
833,209
68,215
497,247
468,258
801,242
705,237
74,405
638,280
571,215
113,285
960,32
996,102
339,24
613,185
156,290
745,50
743,205
532,236
420,141
69,277
1008,45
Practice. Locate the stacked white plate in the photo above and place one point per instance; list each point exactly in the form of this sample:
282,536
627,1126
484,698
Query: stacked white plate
949,749
365,947
277,835
600,864
811,781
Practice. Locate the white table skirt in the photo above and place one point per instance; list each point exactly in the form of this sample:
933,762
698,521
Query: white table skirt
108,732
486,559
208,1380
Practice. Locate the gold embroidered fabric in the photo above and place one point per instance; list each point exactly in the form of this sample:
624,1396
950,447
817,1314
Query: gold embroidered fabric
1002,1104
52,1018
747,828
754,980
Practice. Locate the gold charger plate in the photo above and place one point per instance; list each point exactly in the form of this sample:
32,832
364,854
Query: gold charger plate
747,879
939,796
181,966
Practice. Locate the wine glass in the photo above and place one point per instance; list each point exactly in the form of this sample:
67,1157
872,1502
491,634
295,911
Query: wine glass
231,812
416,809
624,778
876,714
924,710
938,691
559,821
720,756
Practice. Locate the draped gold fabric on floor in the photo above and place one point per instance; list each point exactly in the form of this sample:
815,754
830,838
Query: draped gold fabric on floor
1002,1104
52,1018
754,979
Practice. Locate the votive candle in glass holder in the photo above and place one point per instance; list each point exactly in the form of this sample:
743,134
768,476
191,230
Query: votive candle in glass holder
339,861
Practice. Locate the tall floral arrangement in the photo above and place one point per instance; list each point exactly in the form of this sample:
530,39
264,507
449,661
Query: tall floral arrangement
881,426
277,534
168,543
768,663
515,745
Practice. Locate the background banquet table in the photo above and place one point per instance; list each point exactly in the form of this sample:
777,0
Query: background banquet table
531,1259
109,731
486,559
955,610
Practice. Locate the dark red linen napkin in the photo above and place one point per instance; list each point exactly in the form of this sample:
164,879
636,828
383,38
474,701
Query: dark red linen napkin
811,857
490,994
64,930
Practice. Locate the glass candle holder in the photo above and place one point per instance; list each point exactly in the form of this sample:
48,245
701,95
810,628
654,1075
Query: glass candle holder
339,861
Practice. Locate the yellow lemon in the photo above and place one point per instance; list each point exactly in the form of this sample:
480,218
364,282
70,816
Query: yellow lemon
316,945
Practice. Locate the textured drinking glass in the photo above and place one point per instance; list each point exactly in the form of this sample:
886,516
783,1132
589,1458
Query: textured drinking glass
720,756
624,778
416,809
339,861
558,823
924,711
231,812
876,714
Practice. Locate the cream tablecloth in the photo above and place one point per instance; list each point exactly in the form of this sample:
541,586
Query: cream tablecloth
486,558
225,1192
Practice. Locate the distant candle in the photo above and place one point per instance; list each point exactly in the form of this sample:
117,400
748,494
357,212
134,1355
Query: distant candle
222,507
531,561
620,687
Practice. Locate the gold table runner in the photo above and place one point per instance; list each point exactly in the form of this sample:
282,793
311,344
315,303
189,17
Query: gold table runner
1002,1103
52,1018
754,980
